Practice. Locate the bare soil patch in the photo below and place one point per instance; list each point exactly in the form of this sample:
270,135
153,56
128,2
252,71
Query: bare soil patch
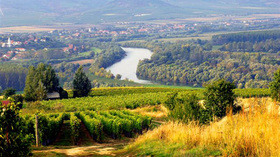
82,62
24,29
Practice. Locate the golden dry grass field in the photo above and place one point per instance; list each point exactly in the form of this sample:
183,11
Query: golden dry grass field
253,132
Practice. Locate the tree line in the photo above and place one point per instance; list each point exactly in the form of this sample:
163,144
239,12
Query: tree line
254,36
194,64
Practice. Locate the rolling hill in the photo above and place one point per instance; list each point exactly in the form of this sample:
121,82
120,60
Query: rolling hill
22,12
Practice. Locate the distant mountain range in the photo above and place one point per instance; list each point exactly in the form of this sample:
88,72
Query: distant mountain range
30,12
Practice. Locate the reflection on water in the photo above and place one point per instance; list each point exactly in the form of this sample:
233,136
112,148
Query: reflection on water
127,67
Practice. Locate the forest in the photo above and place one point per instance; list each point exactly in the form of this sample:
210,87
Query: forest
198,63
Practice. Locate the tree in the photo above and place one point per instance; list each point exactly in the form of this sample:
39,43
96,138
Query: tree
118,77
39,82
81,83
9,92
1,90
14,141
41,91
275,86
219,97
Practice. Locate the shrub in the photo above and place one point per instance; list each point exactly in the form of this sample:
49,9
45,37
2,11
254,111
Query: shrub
218,98
14,141
9,92
185,108
275,86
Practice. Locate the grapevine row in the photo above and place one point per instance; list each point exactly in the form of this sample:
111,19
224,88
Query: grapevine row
113,123
75,125
48,126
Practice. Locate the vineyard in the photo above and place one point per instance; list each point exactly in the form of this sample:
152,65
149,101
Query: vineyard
113,124
108,114
125,98
129,90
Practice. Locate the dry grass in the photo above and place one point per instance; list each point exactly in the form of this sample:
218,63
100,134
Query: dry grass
82,62
24,29
254,132
156,112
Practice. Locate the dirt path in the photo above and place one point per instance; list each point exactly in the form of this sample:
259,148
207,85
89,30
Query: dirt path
99,149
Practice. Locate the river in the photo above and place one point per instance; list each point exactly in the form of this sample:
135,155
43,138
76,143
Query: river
127,67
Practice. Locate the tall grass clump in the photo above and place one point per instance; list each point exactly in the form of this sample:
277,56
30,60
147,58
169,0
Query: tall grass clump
252,132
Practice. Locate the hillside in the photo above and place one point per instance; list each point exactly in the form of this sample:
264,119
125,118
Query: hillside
20,12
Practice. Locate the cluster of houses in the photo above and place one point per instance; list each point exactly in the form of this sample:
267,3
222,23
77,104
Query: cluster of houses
17,53
128,29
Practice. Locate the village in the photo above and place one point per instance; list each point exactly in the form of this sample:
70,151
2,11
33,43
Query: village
19,46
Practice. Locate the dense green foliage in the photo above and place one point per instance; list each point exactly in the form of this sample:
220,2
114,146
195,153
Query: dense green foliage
219,98
9,92
12,76
75,124
113,123
39,82
48,126
111,55
271,46
14,140
275,86
93,125
256,36
193,64
184,108
81,84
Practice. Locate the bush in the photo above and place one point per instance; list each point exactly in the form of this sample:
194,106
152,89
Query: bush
18,99
9,92
218,98
185,108
275,86
14,141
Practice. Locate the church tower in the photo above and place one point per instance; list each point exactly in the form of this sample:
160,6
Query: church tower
9,42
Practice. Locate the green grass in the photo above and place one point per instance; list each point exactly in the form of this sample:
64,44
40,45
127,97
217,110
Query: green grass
172,86
87,53
216,47
84,54
96,50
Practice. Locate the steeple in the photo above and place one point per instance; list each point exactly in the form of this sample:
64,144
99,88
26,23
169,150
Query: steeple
9,42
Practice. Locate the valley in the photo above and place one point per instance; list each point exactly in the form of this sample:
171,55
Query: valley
139,78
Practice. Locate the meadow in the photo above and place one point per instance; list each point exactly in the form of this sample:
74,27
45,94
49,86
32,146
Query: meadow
252,132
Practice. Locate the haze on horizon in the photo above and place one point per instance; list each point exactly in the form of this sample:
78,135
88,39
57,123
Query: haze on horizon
49,12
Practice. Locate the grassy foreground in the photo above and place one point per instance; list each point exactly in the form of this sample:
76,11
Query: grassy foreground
253,132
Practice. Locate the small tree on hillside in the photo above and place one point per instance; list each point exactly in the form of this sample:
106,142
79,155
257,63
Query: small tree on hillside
9,92
81,83
275,86
219,97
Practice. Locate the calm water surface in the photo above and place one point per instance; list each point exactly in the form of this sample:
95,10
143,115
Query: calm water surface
127,67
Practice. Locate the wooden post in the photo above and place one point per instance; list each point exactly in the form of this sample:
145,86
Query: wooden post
36,130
